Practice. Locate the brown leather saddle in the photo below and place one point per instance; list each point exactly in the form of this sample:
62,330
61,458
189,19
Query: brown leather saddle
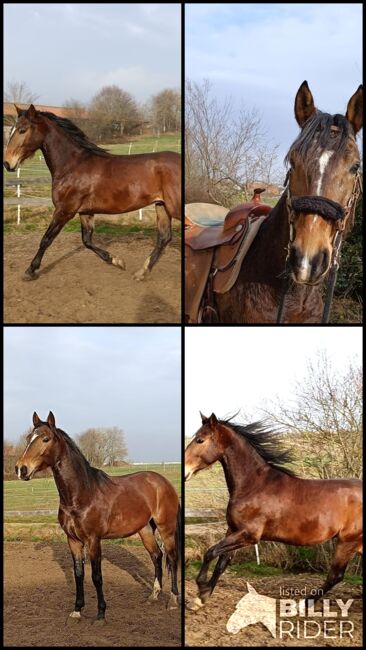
216,242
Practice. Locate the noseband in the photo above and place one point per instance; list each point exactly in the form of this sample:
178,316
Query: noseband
330,211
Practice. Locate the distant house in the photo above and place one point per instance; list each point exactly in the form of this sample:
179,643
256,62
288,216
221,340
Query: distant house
10,114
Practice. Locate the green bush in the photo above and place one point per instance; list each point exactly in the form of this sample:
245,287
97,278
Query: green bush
349,281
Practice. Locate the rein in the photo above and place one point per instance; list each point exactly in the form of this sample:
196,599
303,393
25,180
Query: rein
329,210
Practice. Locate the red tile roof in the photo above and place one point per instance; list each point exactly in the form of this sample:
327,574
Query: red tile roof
9,109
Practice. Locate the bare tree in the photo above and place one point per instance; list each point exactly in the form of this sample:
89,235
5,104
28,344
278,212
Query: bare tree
115,112
325,419
18,92
225,150
166,111
103,445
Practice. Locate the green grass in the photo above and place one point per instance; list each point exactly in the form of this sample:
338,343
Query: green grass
41,494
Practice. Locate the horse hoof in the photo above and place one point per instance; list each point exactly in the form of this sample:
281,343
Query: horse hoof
120,263
172,602
139,275
74,618
194,605
100,622
30,275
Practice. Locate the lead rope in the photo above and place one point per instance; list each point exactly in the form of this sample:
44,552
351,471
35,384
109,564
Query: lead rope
332,277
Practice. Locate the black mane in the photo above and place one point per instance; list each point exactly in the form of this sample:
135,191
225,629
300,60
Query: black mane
77,134
316,133
265,442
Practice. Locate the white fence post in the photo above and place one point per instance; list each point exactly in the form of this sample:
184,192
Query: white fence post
140,214
18,195
129,148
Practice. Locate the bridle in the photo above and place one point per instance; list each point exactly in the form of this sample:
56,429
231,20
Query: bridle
326,209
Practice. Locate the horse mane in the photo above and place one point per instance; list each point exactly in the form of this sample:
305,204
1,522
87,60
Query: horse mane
265,442
76,134
94,474
317,132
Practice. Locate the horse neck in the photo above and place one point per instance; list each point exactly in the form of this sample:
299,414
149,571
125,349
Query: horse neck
72,478
58,149
277,234
242,465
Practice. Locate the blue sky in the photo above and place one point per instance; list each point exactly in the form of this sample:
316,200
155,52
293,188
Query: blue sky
259,54
72,50
127,377
228,369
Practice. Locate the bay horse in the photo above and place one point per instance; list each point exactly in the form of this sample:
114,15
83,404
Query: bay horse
267,501
300,240
89,180
95,506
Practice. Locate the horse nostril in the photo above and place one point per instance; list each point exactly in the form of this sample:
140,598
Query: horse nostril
7,166
23,471
320,263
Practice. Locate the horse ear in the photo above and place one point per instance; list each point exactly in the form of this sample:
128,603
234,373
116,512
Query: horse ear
304,104
354,112
203,418
212,420
31,112
51,420
18,110
36,421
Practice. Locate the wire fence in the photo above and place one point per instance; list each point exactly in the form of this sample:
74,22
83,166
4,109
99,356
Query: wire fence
31,189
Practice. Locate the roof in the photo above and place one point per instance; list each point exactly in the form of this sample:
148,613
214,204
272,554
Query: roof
60,111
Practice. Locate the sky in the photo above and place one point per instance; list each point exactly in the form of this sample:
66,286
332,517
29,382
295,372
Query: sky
129,377
72,50
232,368
259,54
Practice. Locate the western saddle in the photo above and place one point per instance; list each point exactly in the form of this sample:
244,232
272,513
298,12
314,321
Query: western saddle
216,242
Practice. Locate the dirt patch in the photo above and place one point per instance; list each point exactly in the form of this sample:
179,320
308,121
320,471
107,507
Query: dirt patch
39,596
207,627
76,286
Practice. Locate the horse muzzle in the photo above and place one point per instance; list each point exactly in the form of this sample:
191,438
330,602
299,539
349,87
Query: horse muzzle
22,472
308,270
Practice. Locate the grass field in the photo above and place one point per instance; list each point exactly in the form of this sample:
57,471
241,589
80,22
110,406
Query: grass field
41,494
207,489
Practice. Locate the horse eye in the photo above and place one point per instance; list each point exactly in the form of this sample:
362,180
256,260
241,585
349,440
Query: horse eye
200,440
45,439
354,169
22,130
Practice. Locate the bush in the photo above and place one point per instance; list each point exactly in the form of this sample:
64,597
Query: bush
349,281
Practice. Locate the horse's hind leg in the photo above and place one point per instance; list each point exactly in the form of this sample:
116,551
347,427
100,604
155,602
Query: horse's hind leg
87,229
163,238
156,554
167,532
59,219
344,553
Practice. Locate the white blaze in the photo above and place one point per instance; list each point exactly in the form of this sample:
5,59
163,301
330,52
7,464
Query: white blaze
323,161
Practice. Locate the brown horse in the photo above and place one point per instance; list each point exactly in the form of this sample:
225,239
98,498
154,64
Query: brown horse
269,502
300,237
88,180
95,506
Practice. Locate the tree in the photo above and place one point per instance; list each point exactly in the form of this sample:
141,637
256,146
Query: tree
103,445
115,112
166,111
18,92
325,420
225,151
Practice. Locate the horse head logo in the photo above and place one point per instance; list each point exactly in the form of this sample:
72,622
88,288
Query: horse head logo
253,608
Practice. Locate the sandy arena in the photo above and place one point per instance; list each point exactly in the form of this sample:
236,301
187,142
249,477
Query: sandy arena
39,596
207,627
76,286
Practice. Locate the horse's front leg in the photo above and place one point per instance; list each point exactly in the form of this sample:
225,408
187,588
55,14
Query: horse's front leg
87,229
59,219
77,551
95,553
224,549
